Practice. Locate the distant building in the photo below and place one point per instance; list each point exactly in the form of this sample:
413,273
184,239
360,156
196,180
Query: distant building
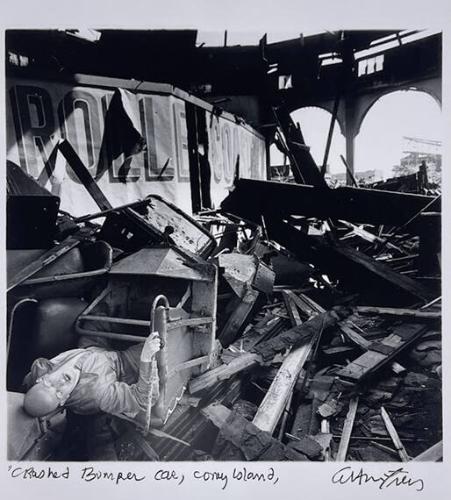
417,151
365,177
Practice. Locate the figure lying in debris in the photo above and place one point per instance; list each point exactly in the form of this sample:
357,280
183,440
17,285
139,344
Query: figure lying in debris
94,379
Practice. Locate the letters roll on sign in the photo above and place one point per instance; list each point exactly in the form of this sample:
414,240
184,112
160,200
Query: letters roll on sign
40,112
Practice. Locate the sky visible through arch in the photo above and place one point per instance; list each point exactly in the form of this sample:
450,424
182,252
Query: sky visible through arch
380,144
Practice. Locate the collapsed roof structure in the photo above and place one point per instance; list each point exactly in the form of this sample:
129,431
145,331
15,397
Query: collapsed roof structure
300,322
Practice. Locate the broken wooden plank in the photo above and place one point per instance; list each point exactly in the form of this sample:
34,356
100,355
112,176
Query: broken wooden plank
224,372
431,303
367,236
349,265
293,338
347,430
346,326
305,304
239,317
275,400
432,454
303,166
394,436
381,352
292,310
357,205
83,174
383,271
392,311
265,351
353,335
295,320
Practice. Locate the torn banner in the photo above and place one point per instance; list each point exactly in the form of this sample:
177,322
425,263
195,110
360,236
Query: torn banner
121,136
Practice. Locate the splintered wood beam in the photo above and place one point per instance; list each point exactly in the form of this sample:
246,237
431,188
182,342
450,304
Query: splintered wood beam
394,436
84,175
384,272
367,236
381,352
275,400
346,326
391,311
294,336
298,335
432,454
356,205
238,317
347,430
303,165
432,302
347,264
224,372
292,310
305,304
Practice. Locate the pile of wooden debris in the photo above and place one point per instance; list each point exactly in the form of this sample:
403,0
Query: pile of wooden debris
301,322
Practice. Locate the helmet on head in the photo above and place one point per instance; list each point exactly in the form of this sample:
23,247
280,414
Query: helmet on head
40,401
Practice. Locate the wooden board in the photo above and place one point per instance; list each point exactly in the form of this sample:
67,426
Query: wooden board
359,271
394,436
392,311
357,205
381,352
347,430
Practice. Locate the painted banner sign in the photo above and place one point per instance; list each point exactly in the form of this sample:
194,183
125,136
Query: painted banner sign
40,112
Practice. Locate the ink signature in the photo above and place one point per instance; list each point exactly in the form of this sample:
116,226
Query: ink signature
396,477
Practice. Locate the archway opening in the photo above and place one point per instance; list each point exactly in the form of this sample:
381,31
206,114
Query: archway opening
315,123
400,130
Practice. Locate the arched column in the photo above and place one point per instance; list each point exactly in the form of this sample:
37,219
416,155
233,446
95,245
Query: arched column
354,108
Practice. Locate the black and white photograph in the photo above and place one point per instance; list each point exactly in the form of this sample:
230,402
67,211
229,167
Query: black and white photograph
224,245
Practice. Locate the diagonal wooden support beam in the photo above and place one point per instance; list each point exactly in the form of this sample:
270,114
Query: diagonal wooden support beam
347,430
275,400
394,436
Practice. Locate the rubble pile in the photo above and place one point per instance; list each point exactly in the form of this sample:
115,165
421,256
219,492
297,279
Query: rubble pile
294,327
